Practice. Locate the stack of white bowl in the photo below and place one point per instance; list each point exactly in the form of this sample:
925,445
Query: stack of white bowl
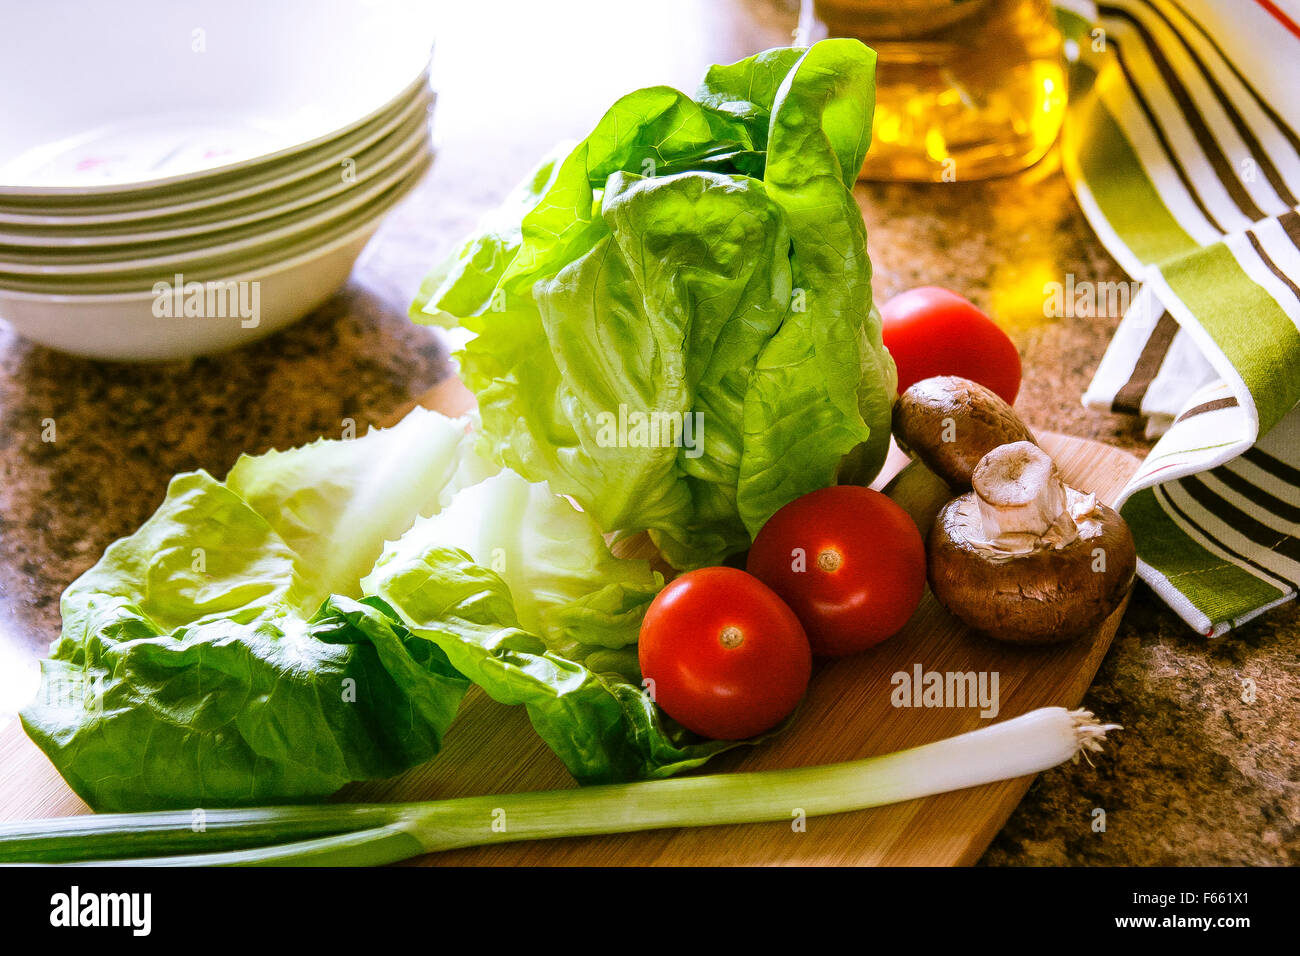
180,178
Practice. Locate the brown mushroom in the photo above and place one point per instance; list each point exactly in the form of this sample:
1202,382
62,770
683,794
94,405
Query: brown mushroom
950,423
1024,558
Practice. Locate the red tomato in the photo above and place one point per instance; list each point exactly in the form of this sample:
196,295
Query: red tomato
931,331
848,561
727,657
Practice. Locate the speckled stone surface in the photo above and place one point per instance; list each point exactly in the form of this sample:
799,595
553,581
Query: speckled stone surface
1199,775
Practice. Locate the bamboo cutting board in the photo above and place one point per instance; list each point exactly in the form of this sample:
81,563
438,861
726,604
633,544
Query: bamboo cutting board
847,714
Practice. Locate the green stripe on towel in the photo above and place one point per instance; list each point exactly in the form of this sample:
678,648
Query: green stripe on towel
1264,350
1219,588
1125,194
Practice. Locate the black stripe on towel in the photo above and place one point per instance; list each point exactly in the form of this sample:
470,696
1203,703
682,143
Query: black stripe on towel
1128,400
1222,166
1239,123
1285,510
1291,136
1162,139
1290,223
1272,266
1274,466
1270,539
1204,407
1272,577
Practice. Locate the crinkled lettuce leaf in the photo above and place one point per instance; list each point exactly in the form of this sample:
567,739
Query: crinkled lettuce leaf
219,655
534,609
566,586
696,267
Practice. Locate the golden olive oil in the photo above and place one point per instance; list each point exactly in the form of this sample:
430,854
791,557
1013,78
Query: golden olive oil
965,89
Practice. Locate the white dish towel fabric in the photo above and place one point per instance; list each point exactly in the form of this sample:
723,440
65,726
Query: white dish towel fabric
1182,146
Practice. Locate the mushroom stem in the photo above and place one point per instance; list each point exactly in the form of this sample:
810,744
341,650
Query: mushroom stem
1022,500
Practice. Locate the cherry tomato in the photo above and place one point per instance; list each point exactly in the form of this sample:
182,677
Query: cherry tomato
848,561
931,331
728,659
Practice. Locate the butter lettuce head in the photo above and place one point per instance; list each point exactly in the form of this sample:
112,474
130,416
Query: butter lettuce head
673,320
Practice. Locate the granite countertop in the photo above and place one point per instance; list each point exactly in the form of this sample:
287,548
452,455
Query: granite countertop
1199,775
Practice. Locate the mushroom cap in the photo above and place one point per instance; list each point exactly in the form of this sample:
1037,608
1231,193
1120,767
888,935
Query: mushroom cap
1045,596
950,423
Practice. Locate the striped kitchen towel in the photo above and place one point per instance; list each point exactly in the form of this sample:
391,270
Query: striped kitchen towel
1181,145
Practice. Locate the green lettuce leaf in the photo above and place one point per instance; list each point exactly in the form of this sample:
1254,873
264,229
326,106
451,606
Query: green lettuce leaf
695,268
566,586
466,279
825,380
537,612
218,656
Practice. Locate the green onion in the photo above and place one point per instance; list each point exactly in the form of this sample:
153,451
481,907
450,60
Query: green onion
369,835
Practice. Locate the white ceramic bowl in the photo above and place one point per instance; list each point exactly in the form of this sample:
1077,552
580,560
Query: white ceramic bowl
204,266
366,167
215,198
144,94
125,326
193,252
